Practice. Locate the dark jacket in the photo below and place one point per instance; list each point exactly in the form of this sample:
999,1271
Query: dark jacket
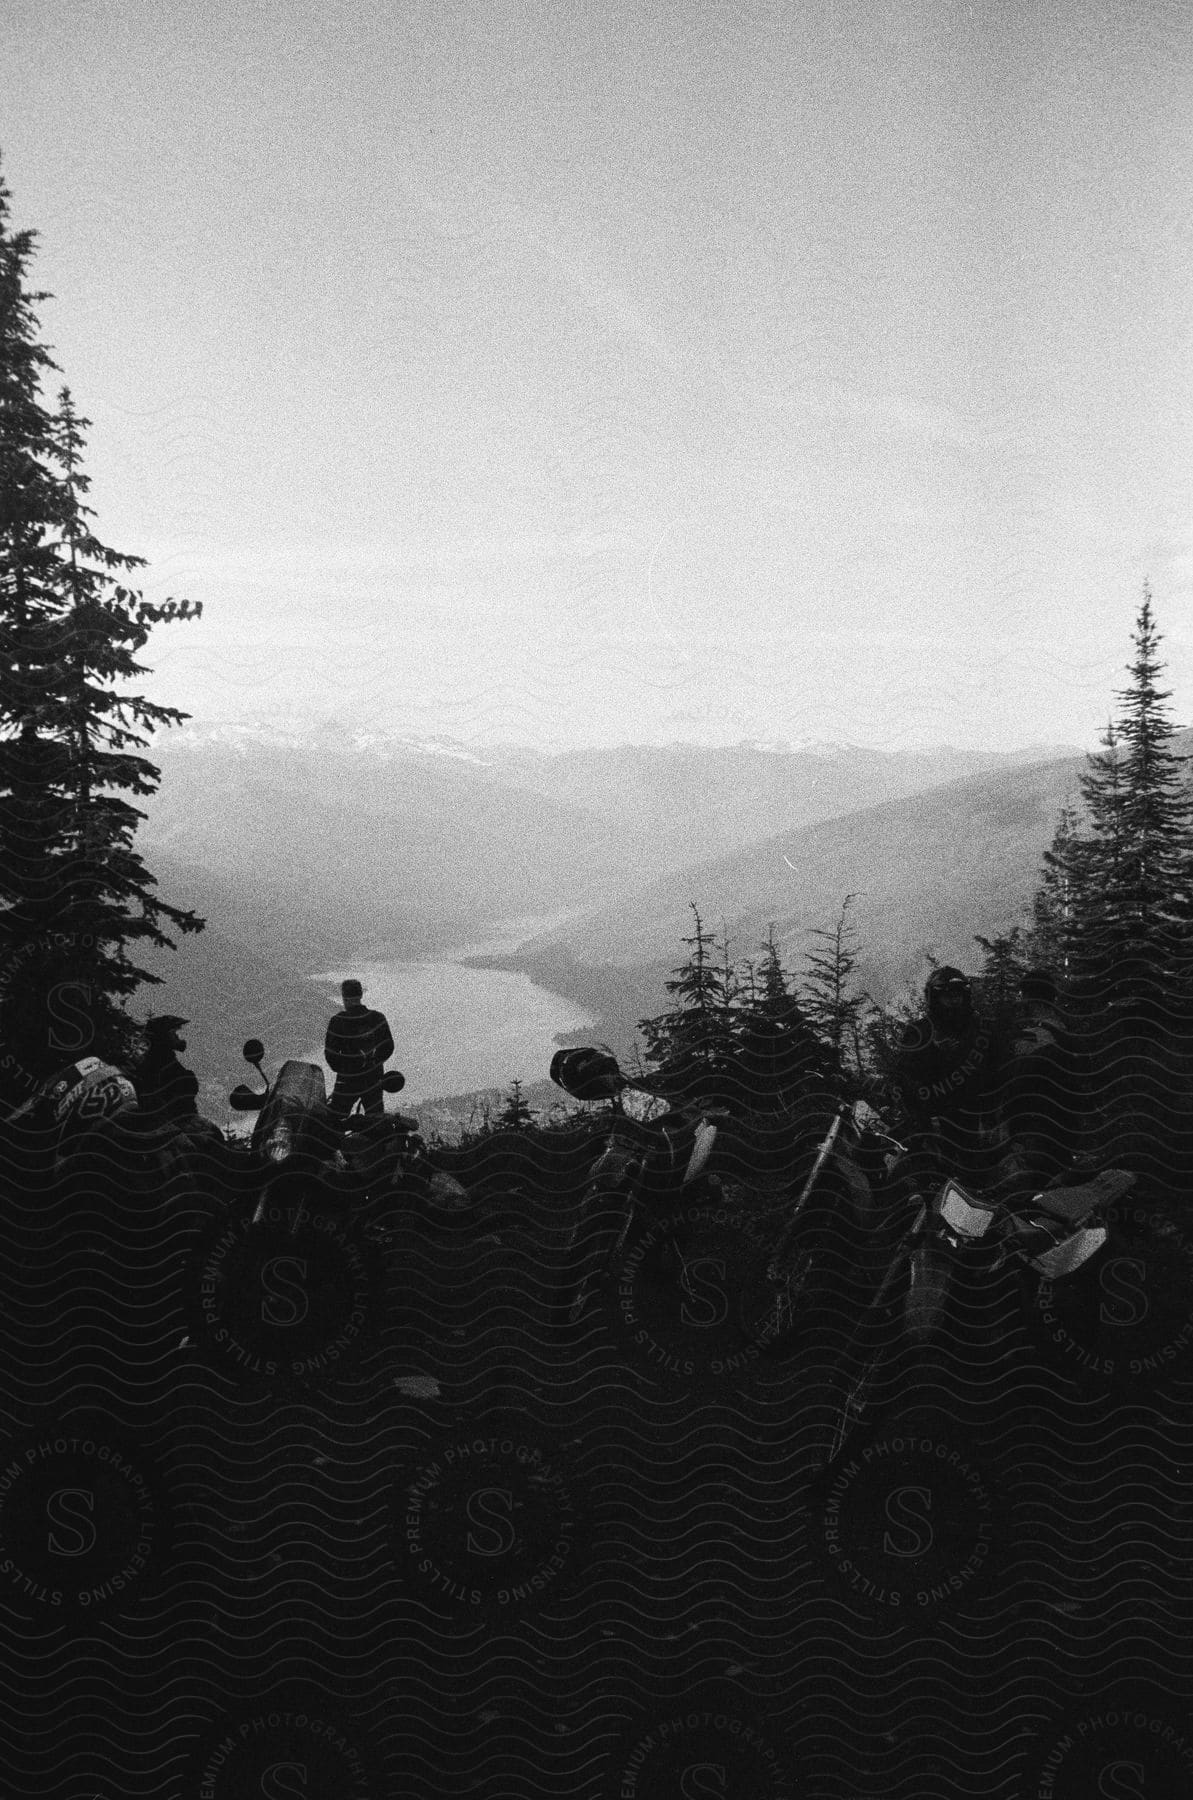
940,1075
358,1042
947,1079
165,1086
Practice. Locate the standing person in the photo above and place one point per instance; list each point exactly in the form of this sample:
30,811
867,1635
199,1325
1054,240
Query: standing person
946,1074
357,1045
166,1088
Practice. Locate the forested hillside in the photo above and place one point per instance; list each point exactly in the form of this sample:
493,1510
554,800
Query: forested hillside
930,873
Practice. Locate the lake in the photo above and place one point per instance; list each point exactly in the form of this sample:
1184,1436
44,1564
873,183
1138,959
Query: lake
457,1029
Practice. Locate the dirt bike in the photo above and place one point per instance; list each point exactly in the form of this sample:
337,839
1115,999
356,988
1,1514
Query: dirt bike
296,1133
641,1162
794,1267
1050,1234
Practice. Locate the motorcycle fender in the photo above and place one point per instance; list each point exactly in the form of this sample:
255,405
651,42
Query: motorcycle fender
1069,1255
706,1137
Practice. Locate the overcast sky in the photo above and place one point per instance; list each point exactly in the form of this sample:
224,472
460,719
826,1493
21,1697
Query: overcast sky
598,372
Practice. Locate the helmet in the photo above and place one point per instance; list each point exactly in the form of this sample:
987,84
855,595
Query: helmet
164,1025
587,1074
948,985
946,977
87,1091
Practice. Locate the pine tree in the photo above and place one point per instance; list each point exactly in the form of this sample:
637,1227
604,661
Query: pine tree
883,1034
515,1115
1005,961
1123,875
692,1043
776,994
1003,966
778,1053
834,1009
1116,900
1048,938
74,895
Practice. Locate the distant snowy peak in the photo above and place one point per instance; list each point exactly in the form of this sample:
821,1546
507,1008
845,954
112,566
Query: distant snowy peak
830,749
336,737
327,735
388,745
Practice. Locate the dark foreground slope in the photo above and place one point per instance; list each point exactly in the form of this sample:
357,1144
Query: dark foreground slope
387,1537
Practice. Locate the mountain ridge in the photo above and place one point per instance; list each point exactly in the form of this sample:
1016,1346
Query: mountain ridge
929,872
306,854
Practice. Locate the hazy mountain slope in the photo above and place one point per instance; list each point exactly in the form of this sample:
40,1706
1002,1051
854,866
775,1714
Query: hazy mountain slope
304,853
929,871
315,843
924,869
337,842
684,802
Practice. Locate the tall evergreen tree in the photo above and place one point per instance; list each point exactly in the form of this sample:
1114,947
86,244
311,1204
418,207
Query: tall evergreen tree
1048,934
779,1053
692,1042
1004,962
1123,877
1153,890
835,1009
74,895
1116,900
1006,958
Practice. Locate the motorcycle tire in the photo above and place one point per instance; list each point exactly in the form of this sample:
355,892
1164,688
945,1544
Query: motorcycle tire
862,1375
851,1413
589,1252
929,1278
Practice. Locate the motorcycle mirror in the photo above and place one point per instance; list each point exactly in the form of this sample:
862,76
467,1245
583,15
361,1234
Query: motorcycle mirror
393,1081
243,1099
253,1050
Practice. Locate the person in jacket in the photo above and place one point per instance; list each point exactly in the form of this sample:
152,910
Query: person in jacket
166,1089
356,1048
947,1075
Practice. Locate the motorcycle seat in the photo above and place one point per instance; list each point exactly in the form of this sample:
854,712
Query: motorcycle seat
1075,1203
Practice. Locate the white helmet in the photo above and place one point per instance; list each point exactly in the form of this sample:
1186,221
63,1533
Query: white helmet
87,1091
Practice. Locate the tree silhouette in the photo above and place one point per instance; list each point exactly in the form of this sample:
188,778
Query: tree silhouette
515,1115
691,1044
1114,912
75,898
834,1008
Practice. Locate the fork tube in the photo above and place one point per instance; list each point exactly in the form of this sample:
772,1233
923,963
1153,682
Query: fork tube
900,1257
822,1156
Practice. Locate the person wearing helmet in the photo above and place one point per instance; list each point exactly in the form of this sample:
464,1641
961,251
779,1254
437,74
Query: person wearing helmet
946,1074
166,1088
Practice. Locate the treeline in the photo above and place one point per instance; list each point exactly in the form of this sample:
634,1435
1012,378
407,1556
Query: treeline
1110,922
